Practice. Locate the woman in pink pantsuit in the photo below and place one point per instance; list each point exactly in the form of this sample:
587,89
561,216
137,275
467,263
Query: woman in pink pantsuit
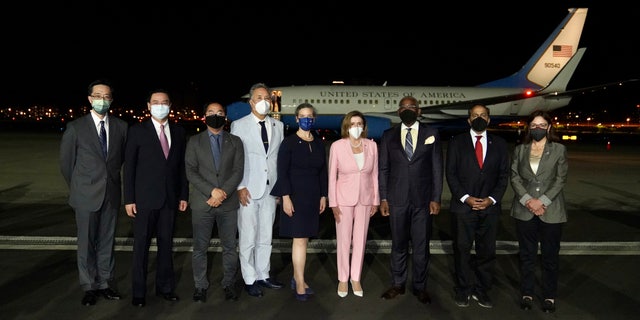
353,197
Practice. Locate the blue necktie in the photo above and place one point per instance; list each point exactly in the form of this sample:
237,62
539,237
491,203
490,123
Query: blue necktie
408,144
103,139
265,139
216,150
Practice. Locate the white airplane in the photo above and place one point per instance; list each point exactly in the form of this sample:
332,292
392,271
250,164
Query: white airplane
540,84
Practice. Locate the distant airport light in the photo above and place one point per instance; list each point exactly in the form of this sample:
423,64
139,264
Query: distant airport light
337,82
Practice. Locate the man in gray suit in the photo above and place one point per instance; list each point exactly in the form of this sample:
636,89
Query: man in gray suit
214,162
91,156
261,136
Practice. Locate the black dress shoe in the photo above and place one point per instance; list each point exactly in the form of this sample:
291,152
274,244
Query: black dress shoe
89,298
169,296
253,290
230,293
392,293
138,302
200,295
270,283
548,306
109,294
526,303
423,296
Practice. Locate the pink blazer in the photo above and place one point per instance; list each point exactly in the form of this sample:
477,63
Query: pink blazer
349,185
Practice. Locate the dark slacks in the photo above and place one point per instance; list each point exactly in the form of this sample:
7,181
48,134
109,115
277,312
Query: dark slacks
410,226
529,233
202,224
95,241
146,225
474,272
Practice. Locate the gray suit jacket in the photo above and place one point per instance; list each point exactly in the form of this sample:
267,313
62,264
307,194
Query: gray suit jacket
258,166
547,184
91,178
202,173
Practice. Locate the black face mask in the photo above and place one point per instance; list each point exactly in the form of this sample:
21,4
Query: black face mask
538,133
479,124
408,117
215,121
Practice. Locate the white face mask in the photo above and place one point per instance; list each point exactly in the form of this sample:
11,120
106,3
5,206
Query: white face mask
355,132
262,107
101,106
159,111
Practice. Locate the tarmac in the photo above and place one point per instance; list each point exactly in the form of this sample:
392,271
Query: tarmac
600,253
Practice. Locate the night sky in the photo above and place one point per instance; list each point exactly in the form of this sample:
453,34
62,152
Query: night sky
215,50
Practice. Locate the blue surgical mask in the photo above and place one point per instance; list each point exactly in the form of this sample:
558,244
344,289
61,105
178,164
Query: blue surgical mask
101,106
159,111
305,123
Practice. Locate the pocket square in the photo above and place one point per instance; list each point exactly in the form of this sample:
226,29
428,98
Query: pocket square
430,140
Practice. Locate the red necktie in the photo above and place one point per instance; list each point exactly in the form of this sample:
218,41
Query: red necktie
479,150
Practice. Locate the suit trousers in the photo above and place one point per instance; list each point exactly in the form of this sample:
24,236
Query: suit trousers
202,224
147,224
529,233
410,225
351,236
474,272
255,234
95,241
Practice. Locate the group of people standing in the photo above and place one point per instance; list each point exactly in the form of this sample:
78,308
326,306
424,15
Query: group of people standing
241,178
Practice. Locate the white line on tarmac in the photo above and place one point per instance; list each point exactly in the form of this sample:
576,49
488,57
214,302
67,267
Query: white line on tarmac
319,246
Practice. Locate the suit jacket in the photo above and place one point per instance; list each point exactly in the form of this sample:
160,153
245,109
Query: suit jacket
348,184
464,175
547,184
258,166
150,180
89,176
415,182
203,175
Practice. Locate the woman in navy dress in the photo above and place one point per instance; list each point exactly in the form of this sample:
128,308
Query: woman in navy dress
302,186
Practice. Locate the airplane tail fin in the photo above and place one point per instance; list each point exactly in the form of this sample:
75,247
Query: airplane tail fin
552,56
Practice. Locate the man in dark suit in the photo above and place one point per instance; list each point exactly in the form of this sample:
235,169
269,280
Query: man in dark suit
410,181
155,187
214,162
91,167
477,171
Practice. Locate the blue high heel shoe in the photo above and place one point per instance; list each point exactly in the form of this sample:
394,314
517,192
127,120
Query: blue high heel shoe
307,291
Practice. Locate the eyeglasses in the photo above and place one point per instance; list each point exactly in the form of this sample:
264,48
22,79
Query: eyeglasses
409,106
105,97
539,125
211,113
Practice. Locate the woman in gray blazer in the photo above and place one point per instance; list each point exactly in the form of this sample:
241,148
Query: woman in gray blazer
538,176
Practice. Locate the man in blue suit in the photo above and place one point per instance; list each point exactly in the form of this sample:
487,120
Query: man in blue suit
155,187
410,182
477,171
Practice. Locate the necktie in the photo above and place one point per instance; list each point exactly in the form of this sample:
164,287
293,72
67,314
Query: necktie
265,139
479,150
103,139
164,142
216,150
408,144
